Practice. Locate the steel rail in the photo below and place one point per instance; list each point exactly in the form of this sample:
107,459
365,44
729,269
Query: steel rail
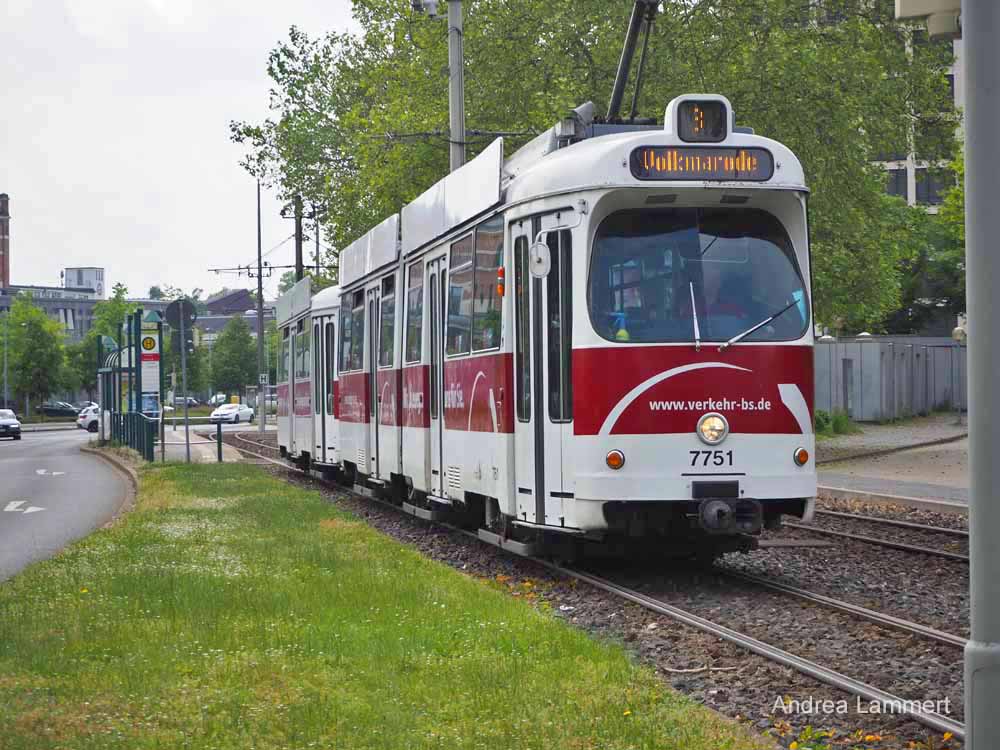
889,703
894,522
880,618
880,542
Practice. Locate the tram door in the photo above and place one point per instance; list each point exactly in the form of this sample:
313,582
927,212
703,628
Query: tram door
542,349
373,405
437,284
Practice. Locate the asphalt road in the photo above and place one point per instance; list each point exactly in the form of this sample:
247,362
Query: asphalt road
50,495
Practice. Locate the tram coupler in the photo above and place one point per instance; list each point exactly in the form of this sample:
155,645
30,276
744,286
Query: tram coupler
730,516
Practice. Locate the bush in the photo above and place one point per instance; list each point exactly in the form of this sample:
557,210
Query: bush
841,423
823,422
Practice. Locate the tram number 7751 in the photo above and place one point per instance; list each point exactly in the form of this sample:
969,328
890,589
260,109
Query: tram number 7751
712,458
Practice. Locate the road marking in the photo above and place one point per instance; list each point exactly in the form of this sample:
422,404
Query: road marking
45,472
14,506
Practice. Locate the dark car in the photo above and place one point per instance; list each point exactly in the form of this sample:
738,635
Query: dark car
191,401
59,409
9,426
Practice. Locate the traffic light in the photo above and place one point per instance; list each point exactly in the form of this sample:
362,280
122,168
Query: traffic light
175,336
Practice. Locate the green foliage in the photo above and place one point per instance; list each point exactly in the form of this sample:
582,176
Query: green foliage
359,121
36,350
109,314
234,358
953,208
841,424
823,422
80,367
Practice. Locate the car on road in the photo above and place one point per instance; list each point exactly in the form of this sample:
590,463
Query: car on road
89,419
59,409
9,425
234,413
191,401
218,399
81,405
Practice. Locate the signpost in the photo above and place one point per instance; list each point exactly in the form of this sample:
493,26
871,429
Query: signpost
181,315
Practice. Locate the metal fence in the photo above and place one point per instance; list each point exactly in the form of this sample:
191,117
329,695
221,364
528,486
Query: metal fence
135,430
883,378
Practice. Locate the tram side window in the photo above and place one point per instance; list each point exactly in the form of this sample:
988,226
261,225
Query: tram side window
460,297
387,323
414,311
560,321
352,334
486,307
331,361
303,361
317,373
358,328
283,357
346,337
522,369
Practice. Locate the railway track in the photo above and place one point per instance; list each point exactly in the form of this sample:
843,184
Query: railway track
903,546
833,678
894,522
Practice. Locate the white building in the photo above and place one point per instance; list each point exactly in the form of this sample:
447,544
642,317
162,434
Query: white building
86,277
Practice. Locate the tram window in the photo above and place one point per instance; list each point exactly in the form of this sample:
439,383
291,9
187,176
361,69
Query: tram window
358,331
346,337
317,373
414,311
283,357
486,306
331,361
560,320
737,264
303,362
522,369
460,297
387,327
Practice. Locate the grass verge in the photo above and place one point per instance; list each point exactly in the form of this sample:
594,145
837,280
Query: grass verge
232,610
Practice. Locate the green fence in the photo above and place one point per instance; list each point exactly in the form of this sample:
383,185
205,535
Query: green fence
135,430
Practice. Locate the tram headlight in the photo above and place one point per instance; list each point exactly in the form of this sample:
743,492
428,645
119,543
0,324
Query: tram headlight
712,428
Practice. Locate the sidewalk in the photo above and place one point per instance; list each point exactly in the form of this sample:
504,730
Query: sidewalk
903,469
203,449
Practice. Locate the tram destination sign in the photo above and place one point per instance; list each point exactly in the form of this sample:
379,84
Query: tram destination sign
701,163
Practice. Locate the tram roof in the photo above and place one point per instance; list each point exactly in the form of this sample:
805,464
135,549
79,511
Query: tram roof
326,299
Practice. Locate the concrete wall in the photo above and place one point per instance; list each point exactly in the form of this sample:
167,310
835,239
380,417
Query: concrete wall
892,377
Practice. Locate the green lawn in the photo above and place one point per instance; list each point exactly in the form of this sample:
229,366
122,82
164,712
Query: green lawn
232,610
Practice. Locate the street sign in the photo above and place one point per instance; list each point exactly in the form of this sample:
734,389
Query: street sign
181,308
262,378
149,357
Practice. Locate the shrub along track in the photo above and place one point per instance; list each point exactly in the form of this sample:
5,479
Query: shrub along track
720,673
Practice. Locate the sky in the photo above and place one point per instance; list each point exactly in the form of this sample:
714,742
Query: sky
114,136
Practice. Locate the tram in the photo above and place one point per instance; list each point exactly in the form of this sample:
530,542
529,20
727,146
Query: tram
605,334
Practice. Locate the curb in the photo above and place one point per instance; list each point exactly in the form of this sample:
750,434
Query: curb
918,503
890,451
133,481
30,428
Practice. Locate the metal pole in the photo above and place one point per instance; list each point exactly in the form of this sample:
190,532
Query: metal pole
316,228
218,439
6,344
625,62
981,52
456,83
298,238
261,364
184,385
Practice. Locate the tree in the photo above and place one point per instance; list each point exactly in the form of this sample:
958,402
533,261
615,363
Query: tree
155,293
359,121
234,358
36,343
109,314
80,367
320,281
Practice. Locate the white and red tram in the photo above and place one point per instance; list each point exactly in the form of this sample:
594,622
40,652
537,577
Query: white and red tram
607,334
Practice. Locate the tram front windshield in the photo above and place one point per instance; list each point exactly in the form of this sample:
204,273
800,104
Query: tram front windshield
665,275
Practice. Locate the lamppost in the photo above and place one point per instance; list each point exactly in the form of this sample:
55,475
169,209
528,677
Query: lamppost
6,341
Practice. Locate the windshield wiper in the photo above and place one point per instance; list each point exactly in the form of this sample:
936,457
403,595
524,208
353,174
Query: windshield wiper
694,317
740,336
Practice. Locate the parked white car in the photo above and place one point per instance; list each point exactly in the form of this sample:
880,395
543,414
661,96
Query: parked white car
88,419
234,413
